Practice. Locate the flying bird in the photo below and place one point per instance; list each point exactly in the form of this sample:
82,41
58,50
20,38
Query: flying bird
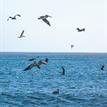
14,17
44,18
80,30
72,46
36,64
21,35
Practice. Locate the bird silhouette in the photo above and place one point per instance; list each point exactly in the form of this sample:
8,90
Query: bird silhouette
102,67
72,46
21,35
14,17
44,18
80,30
56,91
63,70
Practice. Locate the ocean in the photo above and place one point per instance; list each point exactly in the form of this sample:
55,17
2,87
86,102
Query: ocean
83,85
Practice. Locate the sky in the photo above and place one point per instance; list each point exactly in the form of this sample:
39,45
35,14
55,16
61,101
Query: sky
67,15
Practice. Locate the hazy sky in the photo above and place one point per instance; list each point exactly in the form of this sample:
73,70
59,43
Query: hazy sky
67,15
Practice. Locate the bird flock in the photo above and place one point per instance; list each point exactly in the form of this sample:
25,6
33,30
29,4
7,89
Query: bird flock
44,18
38,64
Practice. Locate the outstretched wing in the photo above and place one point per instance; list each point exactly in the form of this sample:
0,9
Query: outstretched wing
46,21
21,34
18,15
9,18
29,67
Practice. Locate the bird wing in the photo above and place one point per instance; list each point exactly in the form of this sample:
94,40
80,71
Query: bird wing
32,59
17,15
9,18
22,33
29,67
46,21
41,17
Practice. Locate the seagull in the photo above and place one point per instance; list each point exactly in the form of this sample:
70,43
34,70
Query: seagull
80,30
44,18
21,35
56,91
13,18
36,64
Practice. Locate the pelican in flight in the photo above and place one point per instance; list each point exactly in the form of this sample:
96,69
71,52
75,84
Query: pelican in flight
36,64
14,17
80,30
44,18
21,35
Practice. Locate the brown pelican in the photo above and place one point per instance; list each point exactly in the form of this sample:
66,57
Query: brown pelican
102,68
56,91
80,30
21,35
36,64
63,70
13,18
44,18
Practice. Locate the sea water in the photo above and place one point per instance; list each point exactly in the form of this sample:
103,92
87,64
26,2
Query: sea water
83,85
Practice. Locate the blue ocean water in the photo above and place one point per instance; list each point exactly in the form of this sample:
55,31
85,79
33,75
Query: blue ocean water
83,85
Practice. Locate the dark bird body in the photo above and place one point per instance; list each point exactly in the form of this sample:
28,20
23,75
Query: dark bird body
36,64
21,35
14,18
72,46
63,70
81,30
56,91
44,18
102,68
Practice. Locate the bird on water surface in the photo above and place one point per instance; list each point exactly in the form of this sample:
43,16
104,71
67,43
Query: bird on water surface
56,91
